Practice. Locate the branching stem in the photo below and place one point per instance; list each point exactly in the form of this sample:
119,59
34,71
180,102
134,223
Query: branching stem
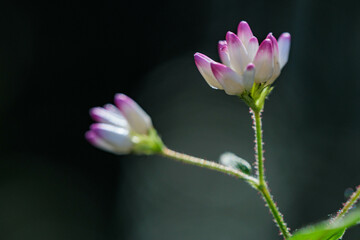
258,183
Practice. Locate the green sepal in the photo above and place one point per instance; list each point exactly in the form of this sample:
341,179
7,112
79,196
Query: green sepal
255,99
147,144
328,230
260,100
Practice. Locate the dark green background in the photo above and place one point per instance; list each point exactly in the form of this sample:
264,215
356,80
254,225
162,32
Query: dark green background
59,58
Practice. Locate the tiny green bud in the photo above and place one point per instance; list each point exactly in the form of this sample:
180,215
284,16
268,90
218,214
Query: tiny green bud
231,160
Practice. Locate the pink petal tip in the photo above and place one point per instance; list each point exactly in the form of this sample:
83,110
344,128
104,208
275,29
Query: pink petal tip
250,67
201,59
222,45
120,99
244,29
94,113
285,35
218,69
266,45
91,137
232,38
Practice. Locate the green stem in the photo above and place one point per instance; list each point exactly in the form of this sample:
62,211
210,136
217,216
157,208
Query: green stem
209,164
349,204
278,217
259,146
263,187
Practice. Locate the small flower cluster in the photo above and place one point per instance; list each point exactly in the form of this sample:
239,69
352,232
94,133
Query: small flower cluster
123,128
244,62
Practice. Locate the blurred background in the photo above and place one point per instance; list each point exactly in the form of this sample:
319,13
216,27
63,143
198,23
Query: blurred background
60,58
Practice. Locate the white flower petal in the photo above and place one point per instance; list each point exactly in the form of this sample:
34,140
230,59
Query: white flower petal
275,75
252,47
224,53
105,116
264,62
238,55
98,142
244,32
137,118
275,46
277,68
113,109
203,64
230,80
284,48
248,77
117,137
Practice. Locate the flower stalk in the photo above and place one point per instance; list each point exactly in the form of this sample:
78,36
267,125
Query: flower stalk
263,187
166,152
259,146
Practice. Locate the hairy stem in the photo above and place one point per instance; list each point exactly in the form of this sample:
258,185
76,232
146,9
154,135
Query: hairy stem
278,217
259,146
349,203
209,164
263,187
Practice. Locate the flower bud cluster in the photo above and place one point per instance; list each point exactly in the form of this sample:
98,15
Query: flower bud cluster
123,128
246,68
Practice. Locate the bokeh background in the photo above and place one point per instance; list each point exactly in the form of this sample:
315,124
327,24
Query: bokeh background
60,58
